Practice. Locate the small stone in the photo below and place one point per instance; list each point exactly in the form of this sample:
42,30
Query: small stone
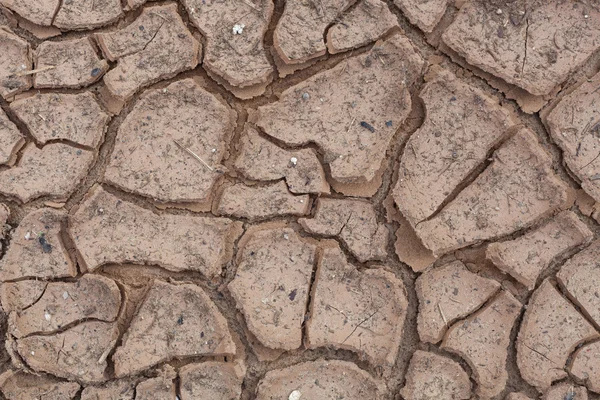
238,29
499,11
305,96
295,395
294,161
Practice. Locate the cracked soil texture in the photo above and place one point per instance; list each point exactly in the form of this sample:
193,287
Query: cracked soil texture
299,199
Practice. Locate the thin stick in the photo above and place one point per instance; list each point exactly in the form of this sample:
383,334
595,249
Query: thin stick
35,71
442,313
196,156
351,123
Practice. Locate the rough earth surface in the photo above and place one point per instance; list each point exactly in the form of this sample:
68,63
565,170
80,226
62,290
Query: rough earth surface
301,199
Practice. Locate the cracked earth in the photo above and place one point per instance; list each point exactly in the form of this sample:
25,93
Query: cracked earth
300,199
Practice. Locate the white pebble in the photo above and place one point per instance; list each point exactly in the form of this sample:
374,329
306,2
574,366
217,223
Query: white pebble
294,160
586,16
295,395
28,236
499,11
47,316
33,353
214,150
65,295
238,29
286,236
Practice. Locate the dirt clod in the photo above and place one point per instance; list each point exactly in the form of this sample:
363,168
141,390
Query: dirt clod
11,140
210,380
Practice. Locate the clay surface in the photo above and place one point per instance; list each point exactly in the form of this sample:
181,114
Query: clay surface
137,235
152,151
433,377
311,112
443,153
254,202
16,60
261,160
527,256
174,321
447,294
11,140
574,126
210,380
162,49
238,60
77,118
366,23
321,379
586,365
528,43
409,247
483,340
272,284
499,202
17,385
53,171
87,14
67,64
551,330
354,222
566,390
39,12
580,277
424,13
360,311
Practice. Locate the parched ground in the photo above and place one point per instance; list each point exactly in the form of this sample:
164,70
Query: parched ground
300,199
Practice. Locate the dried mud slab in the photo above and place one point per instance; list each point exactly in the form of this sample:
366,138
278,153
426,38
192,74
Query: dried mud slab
350,112
580,277
19,385
87,14
107,230
566,391
11,139
54,171
586,366
237,61
447,294
515,191
160,388
121,389
262,160
354,222
37,250
62,304
482,341
73,63
210,380
532,44
272,283
517,396
367,22
161,49
252,202
77,118
76,354
362,311
15,60
527,256
298,36
19,296
423,13
150,156
321,379
551,329
40,12
409,247
431,376
174,321
574,125
445,150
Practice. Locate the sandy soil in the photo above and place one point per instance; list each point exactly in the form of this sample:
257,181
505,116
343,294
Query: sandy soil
299,199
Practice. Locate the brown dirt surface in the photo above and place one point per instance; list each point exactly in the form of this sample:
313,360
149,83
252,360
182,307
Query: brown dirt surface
136,235
11,140
434,377
528,256
447,294
299,199
551,330
67,64
354,222
77,118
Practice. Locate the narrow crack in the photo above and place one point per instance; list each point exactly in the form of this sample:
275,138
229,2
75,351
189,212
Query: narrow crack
526,41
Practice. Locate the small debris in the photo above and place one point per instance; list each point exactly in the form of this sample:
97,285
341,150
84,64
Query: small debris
499,11
65,295
28,236
292,294
47,316
96,72
388,123
366,125
46,247
180,320
293,161
295,395
238,29
305,96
